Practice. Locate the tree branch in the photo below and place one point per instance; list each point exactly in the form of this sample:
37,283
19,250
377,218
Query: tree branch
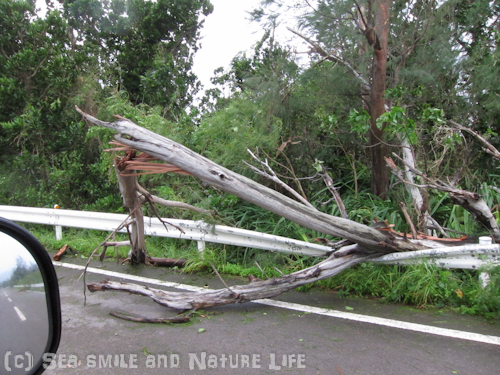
271,175
370,239
472,202
329,184
488,147
257,289
316,48
172,204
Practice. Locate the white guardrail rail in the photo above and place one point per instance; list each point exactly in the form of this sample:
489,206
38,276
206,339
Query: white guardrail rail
465,257
193,230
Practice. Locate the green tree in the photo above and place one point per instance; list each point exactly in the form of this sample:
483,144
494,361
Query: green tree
82,54
381,44
143,47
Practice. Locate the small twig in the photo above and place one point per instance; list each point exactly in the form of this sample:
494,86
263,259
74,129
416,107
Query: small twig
261,270
436,224
148,196
292,172
84,274
116,244
282,274
273,177
329,184
221,279
408,220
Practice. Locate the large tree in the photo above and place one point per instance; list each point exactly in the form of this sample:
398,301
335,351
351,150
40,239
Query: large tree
381,45
82,52
144,47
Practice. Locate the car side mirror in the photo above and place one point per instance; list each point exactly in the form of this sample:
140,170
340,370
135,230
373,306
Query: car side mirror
30,310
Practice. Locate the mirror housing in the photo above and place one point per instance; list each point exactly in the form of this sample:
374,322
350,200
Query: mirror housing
35,327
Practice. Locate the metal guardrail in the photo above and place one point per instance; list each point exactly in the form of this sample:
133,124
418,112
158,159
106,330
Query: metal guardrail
193,230
465,257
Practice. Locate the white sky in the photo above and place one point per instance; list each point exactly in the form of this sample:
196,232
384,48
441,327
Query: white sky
226,32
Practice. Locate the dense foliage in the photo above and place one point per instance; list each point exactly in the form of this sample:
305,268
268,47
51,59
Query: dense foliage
84,52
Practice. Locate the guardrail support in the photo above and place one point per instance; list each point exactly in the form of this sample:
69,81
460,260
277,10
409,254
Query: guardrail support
484,277
58,228
201,246
58,232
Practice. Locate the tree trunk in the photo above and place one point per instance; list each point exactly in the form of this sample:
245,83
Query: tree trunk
128,183
370,240
240,293
380,173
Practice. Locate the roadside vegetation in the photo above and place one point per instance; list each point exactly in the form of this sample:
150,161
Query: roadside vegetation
318,115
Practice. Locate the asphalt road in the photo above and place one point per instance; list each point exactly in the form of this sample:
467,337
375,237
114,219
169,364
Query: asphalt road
23,329
253,338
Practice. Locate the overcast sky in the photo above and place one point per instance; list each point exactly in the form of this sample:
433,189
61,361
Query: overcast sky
226,32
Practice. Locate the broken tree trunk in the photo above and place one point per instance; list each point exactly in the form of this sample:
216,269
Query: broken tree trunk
370,240
128,182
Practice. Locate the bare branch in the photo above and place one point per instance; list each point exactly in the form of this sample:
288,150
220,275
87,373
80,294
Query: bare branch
402,205
137,319
240,293
436,225
221,279
488,147
472,202
329,184
172,204
271,175
261,270
148,196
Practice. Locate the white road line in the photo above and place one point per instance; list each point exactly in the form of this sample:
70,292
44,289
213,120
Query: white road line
130,277
463,335
20,314
8,298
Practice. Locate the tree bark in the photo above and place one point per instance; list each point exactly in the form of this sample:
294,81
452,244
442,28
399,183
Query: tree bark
380,173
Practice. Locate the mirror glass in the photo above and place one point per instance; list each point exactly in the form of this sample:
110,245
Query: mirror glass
24,327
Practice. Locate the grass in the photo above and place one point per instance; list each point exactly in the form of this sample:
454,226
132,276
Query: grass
85,241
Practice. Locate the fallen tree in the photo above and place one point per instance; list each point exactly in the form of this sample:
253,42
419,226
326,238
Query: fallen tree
367,241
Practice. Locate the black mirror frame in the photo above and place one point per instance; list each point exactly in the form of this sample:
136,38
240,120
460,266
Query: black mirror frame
49,276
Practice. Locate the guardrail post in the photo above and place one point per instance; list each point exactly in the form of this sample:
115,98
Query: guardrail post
201,246
58,227
484,277
58,232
